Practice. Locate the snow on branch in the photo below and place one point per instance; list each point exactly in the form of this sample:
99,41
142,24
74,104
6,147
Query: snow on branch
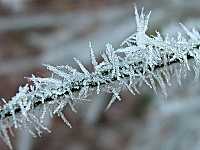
140,59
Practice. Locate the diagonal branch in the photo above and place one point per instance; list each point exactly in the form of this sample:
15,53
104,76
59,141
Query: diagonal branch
140,59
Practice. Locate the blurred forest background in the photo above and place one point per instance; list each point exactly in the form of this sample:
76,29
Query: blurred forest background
36,32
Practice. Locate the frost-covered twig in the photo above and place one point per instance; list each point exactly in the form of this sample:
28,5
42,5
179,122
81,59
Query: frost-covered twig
141,59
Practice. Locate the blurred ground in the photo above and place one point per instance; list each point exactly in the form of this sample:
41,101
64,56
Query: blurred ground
34,32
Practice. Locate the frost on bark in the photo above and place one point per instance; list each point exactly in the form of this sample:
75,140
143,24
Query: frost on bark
141,59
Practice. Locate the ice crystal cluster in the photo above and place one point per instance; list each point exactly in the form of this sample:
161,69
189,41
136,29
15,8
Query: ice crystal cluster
141,58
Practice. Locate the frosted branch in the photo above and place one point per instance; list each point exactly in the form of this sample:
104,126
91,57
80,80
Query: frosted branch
141,59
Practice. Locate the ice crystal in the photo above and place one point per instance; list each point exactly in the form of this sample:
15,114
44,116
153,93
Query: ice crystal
141,59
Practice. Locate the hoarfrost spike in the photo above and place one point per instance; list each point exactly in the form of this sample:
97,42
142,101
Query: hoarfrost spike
6,137
111,102
142,20
4,101
115,96
85,71
65,120
188,32
94,62
56,71
72,106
